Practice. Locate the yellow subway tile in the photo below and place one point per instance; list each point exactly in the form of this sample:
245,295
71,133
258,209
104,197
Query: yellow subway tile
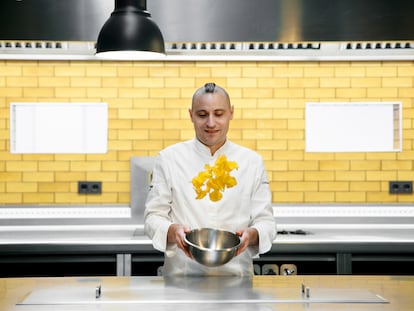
11,198
161,134
289,93
376,197
54,187
257,93
287,176
85,166
397,82
102,176
350,197
287,197
242,82
397,165
318,176
257,72
335,82
257,134
133,114
101,92
148,145
21,81
101,71
38,176
69,198
10,176
105,197
303,82
11,91
53,166
10,71
319,93
334,165
287,114
117,82
350,176
195,72
272,145
70,92
365,165
333,186
164,114
16,166
381,176
366,82
119,145
35,198
319,197
382,92
269,124
83,81
133,134
39,92
69,176
38,71
365,186
350,71
353,92
179,82
381,71
303,165
156,124
319,72
288,72
70,71
21,187
56,82
294,186
165,93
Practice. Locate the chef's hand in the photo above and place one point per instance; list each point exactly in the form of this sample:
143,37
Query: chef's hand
176,235
248,236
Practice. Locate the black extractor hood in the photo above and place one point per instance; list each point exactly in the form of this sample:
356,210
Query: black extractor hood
220,29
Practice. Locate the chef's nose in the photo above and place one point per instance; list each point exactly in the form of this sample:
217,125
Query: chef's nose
211,121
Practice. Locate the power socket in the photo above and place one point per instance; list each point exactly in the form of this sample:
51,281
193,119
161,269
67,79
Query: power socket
398,187
89,187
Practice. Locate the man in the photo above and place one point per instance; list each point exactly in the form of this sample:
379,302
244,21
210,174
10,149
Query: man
178,201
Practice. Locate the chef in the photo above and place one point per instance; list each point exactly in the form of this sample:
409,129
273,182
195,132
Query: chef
211,182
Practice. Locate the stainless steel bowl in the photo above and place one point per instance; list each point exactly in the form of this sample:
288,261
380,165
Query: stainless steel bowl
212,247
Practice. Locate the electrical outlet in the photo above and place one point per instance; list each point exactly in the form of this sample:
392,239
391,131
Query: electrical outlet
89,187
397,187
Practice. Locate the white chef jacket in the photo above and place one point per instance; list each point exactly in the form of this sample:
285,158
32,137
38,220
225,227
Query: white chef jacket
172,199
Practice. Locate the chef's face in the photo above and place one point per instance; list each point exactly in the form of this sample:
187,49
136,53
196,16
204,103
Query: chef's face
211,114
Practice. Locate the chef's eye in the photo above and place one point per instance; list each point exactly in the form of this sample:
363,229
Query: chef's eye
202,114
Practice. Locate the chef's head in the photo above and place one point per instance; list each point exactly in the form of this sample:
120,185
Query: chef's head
211,113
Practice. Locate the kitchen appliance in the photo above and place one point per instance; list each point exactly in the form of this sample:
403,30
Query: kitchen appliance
219,30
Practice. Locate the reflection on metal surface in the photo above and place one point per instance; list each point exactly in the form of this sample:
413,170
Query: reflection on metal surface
195,291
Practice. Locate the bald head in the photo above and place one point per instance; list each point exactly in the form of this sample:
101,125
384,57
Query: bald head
209,88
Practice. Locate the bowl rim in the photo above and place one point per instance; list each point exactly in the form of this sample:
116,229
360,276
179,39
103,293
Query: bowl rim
209,249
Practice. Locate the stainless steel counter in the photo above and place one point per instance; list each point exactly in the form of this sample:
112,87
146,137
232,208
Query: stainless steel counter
302,230
258,293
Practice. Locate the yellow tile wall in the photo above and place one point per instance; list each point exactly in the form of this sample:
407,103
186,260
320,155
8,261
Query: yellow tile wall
148,104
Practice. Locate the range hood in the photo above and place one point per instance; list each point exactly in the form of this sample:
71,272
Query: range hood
219,30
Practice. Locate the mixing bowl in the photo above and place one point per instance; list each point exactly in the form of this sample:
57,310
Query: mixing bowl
212,247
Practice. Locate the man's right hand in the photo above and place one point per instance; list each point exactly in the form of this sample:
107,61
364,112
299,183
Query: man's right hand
176,235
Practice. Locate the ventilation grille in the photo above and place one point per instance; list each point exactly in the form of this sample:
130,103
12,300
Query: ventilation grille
240,46
285,51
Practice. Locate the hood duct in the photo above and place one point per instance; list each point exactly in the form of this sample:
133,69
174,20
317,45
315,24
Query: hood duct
219,30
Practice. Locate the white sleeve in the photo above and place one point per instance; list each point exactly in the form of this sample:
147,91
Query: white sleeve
158,207
262,212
